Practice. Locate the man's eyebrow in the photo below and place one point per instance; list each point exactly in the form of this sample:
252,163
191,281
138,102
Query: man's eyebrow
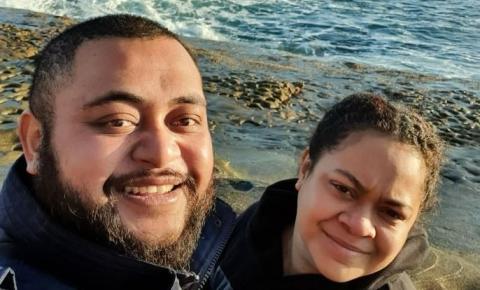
353,179
114,96
125,97
188,99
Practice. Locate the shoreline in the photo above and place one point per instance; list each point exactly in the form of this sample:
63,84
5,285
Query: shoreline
263,104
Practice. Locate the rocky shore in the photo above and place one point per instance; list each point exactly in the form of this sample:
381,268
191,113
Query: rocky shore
262,106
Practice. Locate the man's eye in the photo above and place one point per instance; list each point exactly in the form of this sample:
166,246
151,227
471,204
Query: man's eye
115,126
184,122
120,123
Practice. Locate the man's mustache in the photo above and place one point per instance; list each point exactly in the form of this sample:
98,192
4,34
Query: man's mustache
116,184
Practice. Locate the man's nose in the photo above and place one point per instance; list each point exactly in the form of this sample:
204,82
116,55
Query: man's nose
157,147
358,222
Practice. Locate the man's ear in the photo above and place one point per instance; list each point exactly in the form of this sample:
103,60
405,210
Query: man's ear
30,133
304,168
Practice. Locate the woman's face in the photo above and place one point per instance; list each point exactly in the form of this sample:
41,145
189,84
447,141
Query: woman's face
356,206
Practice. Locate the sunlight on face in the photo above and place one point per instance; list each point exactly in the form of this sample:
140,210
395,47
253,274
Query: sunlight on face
357,206
134,106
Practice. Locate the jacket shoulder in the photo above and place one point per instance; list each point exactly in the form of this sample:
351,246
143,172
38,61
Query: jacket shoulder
17,270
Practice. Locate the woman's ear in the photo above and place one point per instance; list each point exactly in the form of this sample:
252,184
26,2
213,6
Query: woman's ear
30,133
304,168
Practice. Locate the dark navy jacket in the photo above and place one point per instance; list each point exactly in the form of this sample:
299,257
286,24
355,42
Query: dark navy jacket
43,255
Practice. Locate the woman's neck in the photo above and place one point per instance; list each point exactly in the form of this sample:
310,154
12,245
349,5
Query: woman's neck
287,251
294,261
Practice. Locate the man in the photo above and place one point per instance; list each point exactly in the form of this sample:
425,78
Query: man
114,189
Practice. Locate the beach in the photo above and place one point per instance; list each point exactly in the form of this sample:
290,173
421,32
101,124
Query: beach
264,103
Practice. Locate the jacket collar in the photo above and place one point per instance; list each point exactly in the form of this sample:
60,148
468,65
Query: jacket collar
73,256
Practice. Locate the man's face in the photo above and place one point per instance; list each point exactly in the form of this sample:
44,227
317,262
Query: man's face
357,206
130,128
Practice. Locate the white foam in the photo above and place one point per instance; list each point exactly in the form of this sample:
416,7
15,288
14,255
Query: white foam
179,16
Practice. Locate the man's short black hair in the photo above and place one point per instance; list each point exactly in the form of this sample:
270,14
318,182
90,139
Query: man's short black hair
54,63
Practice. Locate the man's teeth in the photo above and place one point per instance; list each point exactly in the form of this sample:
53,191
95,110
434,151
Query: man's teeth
149,189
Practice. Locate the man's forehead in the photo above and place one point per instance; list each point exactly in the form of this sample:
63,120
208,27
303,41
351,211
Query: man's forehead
130,66
128,49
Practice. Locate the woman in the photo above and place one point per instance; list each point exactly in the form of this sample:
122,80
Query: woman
350,220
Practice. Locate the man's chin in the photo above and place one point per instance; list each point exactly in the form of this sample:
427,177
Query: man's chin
157,237
156,231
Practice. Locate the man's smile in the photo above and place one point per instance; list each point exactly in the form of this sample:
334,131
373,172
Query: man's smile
150,189
153,190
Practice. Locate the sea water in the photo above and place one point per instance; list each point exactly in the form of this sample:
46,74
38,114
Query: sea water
434,37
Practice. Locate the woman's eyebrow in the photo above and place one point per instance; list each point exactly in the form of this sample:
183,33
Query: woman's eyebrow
390,201
397,203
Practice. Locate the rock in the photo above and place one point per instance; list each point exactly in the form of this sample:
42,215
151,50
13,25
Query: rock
11,111
284,97
288,115
237,94
257,105
242,185
266,96
210,88
352,65
273,104
17,147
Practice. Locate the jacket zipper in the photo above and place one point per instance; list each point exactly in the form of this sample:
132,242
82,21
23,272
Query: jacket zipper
217,255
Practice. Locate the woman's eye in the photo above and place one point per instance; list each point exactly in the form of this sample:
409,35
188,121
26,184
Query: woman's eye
344,190
393,215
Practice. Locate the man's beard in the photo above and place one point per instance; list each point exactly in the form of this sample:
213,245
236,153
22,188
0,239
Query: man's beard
102,224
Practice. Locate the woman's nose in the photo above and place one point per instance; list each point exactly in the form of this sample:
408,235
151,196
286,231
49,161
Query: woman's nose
358,222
